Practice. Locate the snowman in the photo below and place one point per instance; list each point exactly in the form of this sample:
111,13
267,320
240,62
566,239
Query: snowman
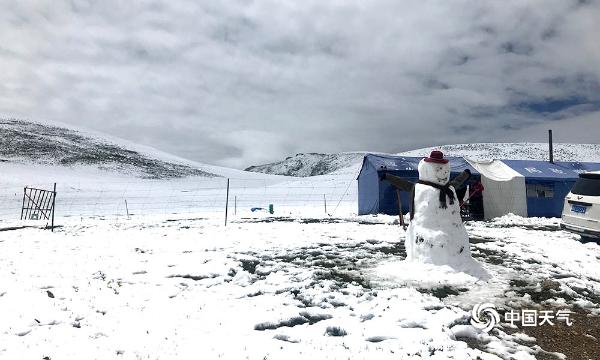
436,234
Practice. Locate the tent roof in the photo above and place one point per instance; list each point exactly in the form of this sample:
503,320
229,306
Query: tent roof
495,170
405,163
535,169
580,167
531,169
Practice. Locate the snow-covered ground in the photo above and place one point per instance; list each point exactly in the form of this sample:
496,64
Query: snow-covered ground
84,191
145,267
273,287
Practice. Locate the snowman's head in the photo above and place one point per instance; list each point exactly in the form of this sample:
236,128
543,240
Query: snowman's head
435,169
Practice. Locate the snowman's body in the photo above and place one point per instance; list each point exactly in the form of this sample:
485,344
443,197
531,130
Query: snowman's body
437,235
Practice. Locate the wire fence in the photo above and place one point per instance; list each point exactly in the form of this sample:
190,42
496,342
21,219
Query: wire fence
144,197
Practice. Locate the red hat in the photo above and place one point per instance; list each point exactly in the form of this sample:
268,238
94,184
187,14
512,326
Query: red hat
437,157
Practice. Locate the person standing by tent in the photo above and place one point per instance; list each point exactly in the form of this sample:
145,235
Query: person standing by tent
476,200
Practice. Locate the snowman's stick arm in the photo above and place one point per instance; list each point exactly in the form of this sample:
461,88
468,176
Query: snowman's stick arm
398,182
460,179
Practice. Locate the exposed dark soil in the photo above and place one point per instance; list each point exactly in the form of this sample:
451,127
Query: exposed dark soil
525,226
578,342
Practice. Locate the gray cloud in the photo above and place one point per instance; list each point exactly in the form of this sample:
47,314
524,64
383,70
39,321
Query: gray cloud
243,82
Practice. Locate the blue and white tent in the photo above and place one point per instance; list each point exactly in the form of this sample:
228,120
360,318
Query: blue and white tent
379,197
527,188
547,184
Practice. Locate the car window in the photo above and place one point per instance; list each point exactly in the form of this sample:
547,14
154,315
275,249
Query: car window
587,186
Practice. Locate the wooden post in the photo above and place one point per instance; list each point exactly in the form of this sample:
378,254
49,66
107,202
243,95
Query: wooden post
325,203
126,208
400,209
53,205
227,202
235,205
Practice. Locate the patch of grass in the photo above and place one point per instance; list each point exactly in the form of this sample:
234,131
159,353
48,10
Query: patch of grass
249,265
192,277
343,278
518,283
480,239
442,292
295,321
335,331
285,338
314,318
395,249
325,264
303,318
376,339
489,256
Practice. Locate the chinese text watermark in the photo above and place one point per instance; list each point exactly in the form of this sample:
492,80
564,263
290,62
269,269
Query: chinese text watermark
485,317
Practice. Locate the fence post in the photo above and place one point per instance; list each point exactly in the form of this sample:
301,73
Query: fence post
126,208
325,203
23,207
235,205
227,202
53,206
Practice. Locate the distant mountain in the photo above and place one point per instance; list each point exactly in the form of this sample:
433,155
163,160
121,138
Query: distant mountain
320,164
311,164
35,143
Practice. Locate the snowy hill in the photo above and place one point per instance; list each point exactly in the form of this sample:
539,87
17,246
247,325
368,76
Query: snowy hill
320,164
516,151
310,164
26,143
97,175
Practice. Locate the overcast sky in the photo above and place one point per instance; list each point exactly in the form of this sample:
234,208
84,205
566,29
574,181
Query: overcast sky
243,82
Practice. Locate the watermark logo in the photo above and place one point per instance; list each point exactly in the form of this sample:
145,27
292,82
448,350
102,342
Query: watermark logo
528,318
484,317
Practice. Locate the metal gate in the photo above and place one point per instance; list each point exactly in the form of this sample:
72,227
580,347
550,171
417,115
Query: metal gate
38,204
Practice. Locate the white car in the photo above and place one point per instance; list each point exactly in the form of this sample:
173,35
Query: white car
581,212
